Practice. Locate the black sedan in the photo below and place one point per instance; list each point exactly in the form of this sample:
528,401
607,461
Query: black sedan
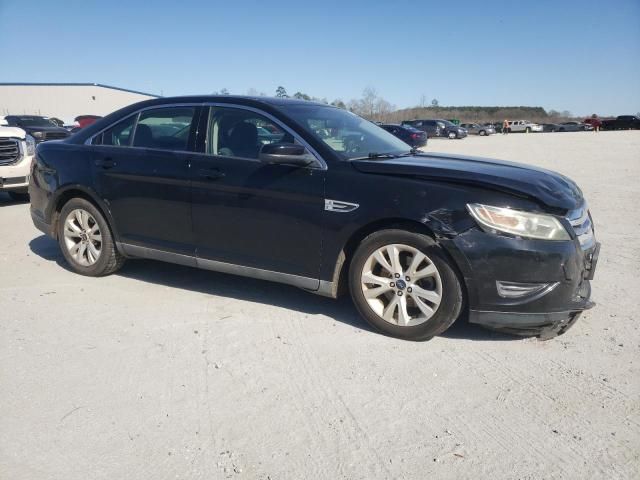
334,204
409,135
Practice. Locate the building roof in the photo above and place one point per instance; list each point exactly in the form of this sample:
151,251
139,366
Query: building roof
19,84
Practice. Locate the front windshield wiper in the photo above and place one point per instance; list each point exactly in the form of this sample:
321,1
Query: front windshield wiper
374,155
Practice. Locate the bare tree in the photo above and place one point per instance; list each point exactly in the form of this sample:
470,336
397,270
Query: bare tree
423,101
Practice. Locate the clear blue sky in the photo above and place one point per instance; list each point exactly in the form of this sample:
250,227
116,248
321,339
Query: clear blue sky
582,55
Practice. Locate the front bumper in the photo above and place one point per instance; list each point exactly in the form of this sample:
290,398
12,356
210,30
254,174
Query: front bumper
486,259
15,177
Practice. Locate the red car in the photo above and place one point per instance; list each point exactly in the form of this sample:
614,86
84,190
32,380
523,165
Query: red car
86,120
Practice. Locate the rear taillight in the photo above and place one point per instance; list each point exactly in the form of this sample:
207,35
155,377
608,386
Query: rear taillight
415,136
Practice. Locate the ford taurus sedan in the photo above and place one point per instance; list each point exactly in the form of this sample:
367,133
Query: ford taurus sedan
333,204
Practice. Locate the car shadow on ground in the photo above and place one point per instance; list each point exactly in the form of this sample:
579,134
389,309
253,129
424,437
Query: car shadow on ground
253,290
6,200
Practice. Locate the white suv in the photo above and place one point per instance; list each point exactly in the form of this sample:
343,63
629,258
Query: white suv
524,126
16,153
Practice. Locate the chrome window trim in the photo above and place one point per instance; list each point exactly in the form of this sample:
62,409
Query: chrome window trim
322,165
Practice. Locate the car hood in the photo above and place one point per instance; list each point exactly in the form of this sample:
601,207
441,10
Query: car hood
13,132
550,188
45,129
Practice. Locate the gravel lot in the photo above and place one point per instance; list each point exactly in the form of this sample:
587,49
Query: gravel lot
164,372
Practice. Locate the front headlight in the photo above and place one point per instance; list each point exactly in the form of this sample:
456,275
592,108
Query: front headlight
38,134
31,145
515,222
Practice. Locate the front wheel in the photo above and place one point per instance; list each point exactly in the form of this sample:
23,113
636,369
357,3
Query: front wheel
404,285
86,241
452,135
482,133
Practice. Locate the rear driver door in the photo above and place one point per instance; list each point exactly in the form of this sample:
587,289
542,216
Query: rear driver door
142,174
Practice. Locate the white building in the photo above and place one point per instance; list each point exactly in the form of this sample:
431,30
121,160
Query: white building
65,100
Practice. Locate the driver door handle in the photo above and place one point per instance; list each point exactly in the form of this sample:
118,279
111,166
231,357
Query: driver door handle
211,173
106,163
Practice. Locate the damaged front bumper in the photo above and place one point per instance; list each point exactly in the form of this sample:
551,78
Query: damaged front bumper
525,287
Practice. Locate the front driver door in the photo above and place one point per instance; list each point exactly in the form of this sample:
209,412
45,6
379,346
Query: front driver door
246,213
142,171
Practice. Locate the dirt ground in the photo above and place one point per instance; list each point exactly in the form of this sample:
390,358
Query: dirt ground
166,372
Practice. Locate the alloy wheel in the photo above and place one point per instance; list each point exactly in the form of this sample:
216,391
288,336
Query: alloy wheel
401,285
82,237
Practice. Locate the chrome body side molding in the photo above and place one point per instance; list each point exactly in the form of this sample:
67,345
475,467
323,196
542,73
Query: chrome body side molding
313,285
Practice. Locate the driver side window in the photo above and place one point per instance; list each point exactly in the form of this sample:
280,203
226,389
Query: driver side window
235,132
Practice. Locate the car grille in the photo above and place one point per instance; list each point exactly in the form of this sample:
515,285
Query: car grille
580,220
55,135
9,151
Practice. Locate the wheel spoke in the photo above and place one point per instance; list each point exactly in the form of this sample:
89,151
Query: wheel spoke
95,237
418,258
390,309
95,253
70,233
403,314
424,308
394,255
81,252
430,295
73,251
382,260
428,271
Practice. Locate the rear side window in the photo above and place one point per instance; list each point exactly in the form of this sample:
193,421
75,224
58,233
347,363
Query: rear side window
119,134
164,128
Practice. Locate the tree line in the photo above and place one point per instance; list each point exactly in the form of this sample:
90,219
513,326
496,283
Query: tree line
374,107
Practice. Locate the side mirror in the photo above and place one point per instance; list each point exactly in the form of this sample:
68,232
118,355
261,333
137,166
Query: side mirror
286,153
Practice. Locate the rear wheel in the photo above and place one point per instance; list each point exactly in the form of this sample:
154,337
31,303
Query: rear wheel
86,241
403,285
19,196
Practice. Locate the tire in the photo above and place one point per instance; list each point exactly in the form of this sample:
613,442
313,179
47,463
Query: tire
81,224
561,129
527,130
19,196
482,133
452,135
418,323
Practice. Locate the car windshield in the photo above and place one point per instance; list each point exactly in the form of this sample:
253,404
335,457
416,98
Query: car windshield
447,123
347,134
32,122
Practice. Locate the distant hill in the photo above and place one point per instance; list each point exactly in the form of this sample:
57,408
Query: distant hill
475,114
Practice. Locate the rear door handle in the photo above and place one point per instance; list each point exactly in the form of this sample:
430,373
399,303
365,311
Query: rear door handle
106,163
211,173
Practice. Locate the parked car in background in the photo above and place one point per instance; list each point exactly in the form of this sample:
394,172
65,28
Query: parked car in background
623,122
17,149
524,126
55,121
573,127
86,120
550,127
408,134
477,129
417,239
40,128
496,126
437,128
